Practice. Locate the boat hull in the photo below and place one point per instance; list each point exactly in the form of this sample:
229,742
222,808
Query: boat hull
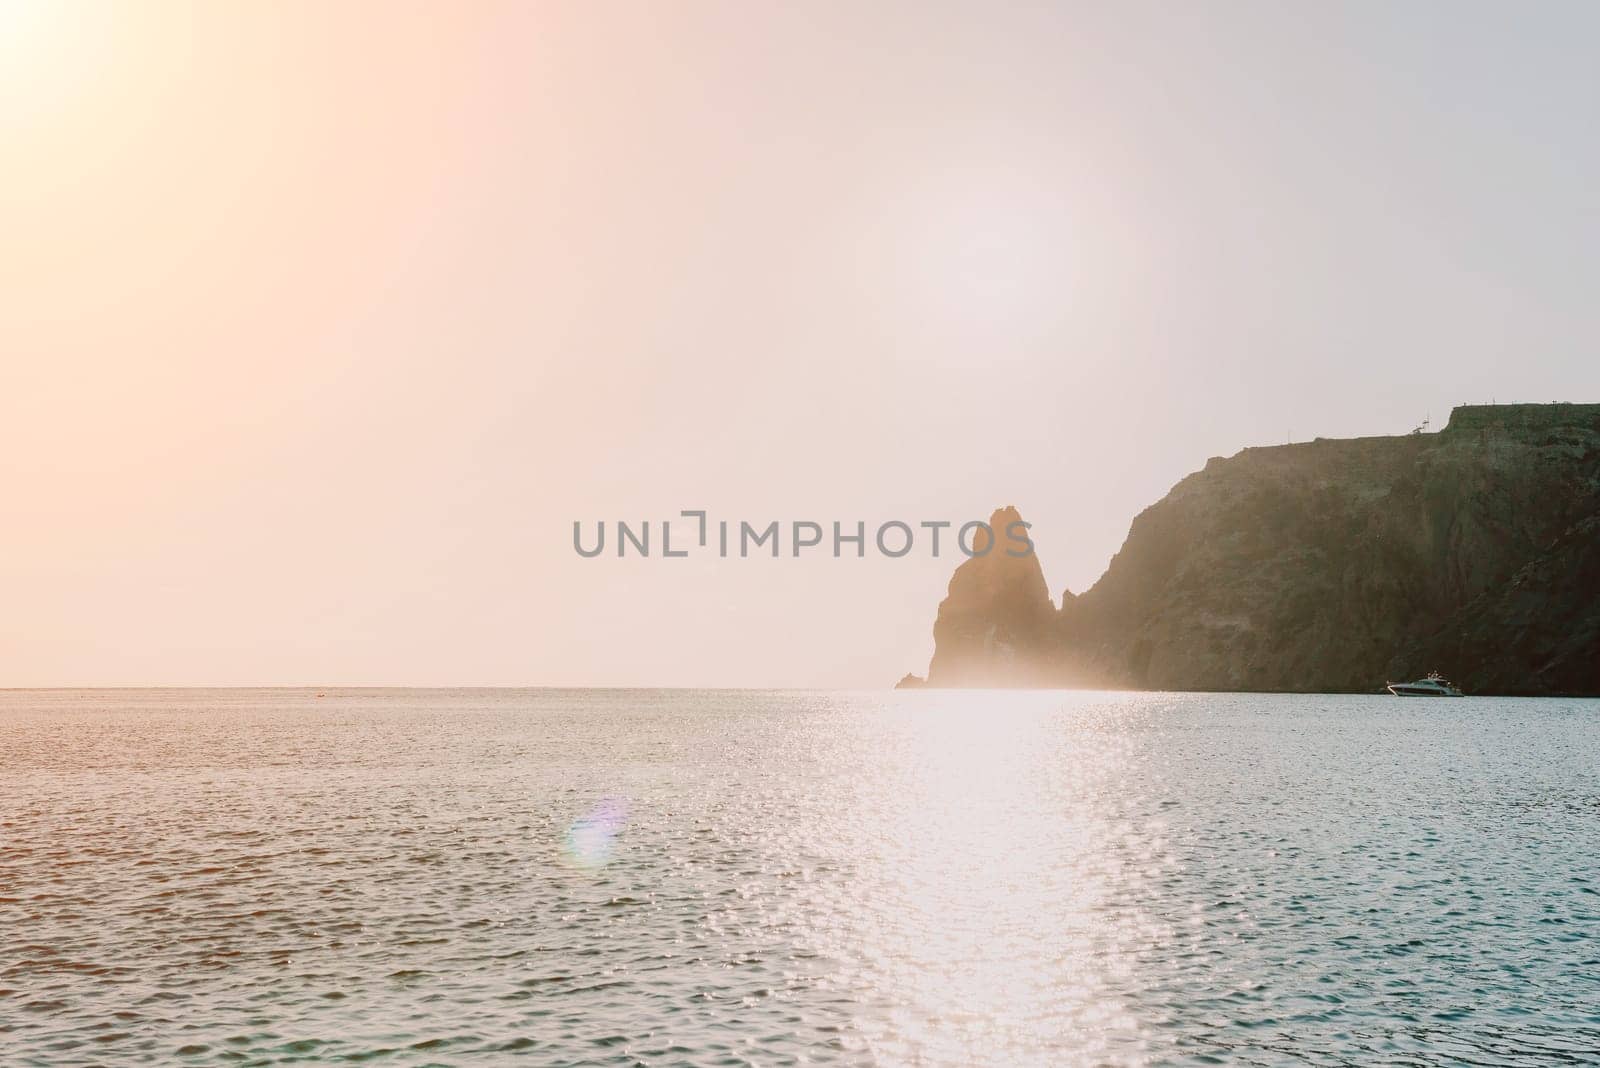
1414,691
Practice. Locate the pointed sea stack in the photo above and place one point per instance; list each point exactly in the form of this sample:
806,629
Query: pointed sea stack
994,627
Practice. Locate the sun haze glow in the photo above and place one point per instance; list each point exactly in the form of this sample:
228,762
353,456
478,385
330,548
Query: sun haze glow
323,323
32,51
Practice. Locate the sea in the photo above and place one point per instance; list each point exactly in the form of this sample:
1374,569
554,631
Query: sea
682,877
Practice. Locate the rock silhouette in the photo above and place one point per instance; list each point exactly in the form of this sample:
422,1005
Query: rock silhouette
1334,565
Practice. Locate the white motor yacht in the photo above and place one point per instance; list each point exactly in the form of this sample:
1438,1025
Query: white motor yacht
1432,686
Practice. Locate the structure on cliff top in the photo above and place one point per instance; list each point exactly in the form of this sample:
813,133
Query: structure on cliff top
1523,417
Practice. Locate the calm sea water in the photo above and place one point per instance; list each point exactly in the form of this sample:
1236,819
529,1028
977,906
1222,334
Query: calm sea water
706,878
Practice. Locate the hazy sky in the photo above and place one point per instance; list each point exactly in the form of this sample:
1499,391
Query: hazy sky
320,323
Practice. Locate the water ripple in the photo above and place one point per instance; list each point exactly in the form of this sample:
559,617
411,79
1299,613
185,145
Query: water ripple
623,878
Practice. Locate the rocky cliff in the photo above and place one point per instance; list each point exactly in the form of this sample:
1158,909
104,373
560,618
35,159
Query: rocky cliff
996,622
1328,566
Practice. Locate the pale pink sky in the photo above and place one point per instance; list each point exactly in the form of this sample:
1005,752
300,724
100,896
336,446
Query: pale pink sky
320,323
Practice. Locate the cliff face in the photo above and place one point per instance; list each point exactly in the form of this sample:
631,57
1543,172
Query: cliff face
1333,565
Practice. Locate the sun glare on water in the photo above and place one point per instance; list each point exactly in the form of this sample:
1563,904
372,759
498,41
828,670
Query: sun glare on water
991,906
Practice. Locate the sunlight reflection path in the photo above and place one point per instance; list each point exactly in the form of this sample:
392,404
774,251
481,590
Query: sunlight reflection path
995,902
